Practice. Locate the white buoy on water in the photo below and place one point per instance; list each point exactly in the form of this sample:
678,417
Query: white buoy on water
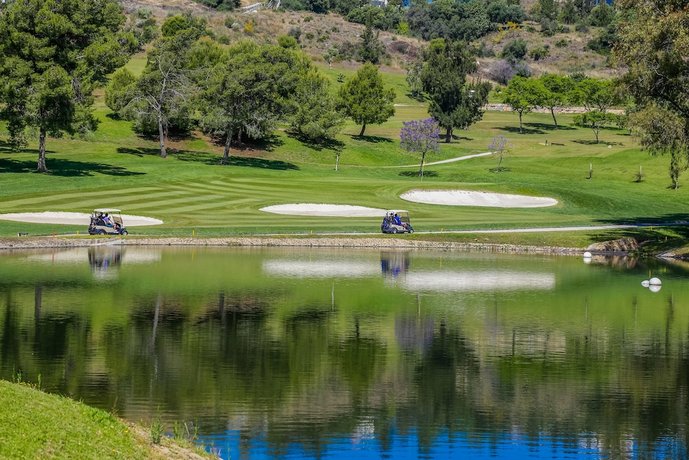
587,255
654,287
645,283
655,282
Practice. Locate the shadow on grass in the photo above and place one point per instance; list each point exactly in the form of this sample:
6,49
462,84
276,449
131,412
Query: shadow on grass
6,147
549,127
212,159
66,168
593,142
370,139
325,144
526,130
416,174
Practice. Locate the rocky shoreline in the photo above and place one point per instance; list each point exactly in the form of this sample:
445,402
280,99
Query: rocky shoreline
306,242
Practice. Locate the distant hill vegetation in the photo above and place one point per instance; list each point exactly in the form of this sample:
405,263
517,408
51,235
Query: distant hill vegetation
562,37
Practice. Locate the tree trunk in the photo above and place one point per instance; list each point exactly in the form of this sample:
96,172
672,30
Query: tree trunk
448,135
337,161
521,130
596,131
423,158
162,135
552,112
363,128
226,152
41,152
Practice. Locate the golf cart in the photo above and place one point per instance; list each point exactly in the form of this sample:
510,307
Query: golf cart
396,221
106,222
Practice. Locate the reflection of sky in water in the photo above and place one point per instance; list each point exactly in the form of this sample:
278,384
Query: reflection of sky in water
449,281
321,268
458,446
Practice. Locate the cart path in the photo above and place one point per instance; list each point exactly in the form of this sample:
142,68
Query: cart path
442,162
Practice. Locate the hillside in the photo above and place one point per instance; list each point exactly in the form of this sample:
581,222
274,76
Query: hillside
567,52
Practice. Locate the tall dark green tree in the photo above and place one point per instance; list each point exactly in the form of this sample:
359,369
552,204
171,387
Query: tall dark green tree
53,53
454,102
370,47
249,90
365,99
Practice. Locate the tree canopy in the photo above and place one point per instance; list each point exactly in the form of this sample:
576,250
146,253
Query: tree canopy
52,55
365,99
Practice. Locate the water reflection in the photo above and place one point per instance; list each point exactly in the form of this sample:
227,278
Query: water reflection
546,358
457,281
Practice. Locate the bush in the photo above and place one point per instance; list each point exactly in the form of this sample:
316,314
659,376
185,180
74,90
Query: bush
602,15
523,70
501,72
287,42
549,27
562,43
514,51
224,40
604,41
309,36
581,27
229,20
308,18
249,27
539,52
500,12
295,32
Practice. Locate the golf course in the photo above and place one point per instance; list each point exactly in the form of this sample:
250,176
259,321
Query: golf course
193,194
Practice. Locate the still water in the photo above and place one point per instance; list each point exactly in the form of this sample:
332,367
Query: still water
274,353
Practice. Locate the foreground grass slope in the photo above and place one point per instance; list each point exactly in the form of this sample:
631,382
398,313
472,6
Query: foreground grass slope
38,425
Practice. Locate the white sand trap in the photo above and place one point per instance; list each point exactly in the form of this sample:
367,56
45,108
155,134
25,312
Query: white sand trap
484,199
73,218
324,210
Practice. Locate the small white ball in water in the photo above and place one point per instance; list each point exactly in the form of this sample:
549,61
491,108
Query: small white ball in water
654,282
645,283
654,287
588,255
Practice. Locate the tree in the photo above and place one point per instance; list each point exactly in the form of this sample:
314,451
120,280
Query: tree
162,95
365,100
554,91
514,51
519,95
454,103
248,90
52,56
654,45
420,136
499,146
315,117
594,94
595,120
662,132
370,48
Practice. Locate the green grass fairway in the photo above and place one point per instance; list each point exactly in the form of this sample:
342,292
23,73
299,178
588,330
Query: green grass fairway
191,192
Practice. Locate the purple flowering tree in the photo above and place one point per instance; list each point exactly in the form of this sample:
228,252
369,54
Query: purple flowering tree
420,136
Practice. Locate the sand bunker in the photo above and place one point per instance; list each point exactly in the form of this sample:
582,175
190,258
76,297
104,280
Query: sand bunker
324,210
469,198
73,218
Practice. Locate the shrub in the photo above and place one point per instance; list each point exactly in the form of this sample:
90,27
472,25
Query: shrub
501,72
539,52
229,20
309,36
602,15
514,51
224,40
562,43
295,32
308,18
287,42
581,27
249,27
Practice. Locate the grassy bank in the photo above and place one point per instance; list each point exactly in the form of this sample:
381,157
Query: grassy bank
39,425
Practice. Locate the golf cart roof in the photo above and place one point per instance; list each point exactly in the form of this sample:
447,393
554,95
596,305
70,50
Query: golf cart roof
398,211
108,210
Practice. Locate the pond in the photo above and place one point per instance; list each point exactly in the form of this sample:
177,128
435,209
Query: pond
298,353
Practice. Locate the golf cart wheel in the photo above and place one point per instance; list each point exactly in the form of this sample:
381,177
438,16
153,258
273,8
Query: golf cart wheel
100,232
124,232
394,230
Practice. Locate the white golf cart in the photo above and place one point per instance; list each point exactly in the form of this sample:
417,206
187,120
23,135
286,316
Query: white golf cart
396,221
107,222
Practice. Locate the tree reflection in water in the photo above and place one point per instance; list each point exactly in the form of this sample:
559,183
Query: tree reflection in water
285,363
